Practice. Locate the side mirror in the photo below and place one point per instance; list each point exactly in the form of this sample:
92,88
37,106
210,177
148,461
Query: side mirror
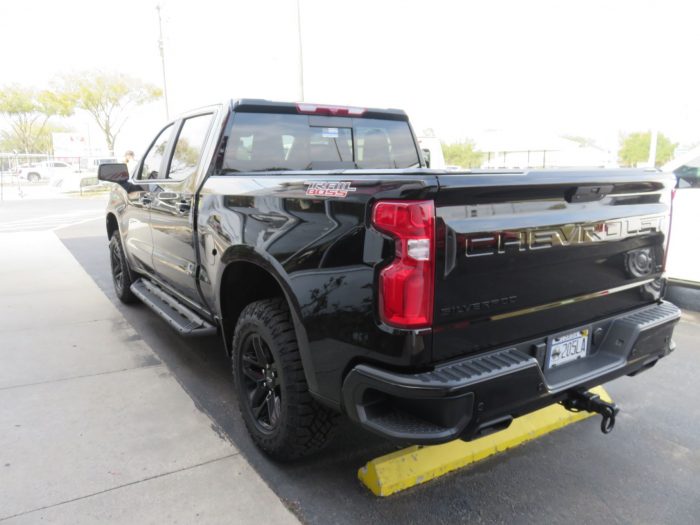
118,173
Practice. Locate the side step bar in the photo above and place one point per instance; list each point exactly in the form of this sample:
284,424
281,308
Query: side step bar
176,314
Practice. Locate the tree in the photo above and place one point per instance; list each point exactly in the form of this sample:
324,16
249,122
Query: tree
462,154
9,141
584,142
108,98
28,112
635,148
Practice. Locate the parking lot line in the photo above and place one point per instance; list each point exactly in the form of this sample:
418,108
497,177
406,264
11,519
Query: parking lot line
414,465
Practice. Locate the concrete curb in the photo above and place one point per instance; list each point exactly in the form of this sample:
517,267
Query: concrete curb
412,466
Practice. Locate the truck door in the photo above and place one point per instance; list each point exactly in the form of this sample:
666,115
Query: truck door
172,213
137,235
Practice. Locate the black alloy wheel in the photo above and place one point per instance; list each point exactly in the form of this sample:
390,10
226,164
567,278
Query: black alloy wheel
117,269
281,416
261,382
121,274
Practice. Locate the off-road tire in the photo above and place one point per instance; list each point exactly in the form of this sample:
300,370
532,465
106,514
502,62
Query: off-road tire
303,426
117,259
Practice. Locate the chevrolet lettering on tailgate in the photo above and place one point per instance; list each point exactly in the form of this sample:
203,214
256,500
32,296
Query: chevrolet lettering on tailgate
563,235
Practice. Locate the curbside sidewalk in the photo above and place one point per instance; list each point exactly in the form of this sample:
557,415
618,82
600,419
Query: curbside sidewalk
93,427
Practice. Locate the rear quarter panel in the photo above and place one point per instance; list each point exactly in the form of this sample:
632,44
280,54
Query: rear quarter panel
323,254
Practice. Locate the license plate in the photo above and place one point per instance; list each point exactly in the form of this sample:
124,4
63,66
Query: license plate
567,348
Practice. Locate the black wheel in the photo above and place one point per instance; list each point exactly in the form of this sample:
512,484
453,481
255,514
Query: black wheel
121,275
280,414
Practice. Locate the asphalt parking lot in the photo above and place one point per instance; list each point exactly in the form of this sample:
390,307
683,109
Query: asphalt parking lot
646,471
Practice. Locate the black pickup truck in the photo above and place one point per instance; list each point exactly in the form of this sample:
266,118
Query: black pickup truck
344,276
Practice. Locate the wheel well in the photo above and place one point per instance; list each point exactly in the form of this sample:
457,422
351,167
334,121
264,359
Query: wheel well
112,225
242,283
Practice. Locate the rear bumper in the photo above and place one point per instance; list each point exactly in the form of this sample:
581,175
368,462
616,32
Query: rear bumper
468,397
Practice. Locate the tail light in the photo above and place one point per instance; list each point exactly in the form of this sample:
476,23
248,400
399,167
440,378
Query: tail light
332,111
406,286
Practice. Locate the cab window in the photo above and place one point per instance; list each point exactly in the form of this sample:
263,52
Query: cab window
271,142
150,169
189,146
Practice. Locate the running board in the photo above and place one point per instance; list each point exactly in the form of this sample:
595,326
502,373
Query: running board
176,314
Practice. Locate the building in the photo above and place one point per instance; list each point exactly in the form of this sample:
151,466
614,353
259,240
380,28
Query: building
515,150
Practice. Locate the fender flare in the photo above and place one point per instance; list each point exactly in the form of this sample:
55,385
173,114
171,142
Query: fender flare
242,253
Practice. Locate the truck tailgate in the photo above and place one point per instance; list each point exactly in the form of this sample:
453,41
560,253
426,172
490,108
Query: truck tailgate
522,255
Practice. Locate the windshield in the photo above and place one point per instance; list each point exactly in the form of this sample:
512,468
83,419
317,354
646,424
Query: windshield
268,142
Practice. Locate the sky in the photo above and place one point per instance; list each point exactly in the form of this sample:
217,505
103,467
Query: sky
461,68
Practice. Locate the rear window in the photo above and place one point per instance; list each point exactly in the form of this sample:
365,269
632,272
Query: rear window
270,142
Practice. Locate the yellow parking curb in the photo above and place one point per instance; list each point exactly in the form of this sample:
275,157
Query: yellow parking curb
414,465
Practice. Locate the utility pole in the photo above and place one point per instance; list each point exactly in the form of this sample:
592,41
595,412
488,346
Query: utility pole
162,60
652,147
301,55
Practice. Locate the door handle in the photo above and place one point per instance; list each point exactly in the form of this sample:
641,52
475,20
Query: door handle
166,196
183,206
146,199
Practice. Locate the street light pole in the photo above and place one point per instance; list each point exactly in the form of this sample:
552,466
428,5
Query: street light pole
301,55
654,139
162,60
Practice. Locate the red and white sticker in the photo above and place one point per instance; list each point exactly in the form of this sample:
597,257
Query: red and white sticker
329,188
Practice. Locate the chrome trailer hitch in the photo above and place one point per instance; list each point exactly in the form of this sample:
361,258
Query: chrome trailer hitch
583,400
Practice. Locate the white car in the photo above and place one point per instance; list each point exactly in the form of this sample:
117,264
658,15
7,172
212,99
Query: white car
684,253
46,170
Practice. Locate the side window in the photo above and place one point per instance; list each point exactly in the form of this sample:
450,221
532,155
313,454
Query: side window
188,147
152,160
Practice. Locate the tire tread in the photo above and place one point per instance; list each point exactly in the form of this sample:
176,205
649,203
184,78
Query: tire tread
126,296
308,425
